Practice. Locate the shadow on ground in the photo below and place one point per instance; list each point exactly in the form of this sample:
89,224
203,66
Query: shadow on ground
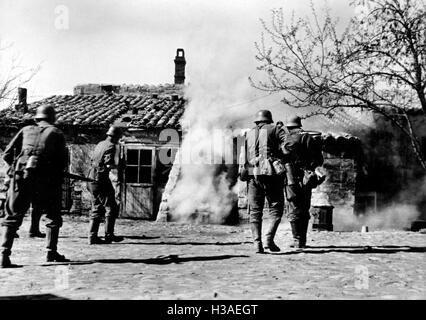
141,237
34,297
356,249
172,243
160,260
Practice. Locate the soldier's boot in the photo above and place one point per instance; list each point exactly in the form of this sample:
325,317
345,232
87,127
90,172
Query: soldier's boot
256,231
109,231
270,244
52,245
93,232
7,242
5,261
303,232
296,231
34,231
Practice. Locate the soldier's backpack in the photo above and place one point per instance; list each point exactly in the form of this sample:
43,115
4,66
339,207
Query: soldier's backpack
304,158
296,145
30,159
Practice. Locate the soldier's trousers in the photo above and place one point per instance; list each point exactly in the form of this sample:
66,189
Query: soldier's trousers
269,187
298,208
44,192
103,200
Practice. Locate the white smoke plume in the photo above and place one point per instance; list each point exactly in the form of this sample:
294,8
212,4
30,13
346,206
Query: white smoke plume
208,126
397,215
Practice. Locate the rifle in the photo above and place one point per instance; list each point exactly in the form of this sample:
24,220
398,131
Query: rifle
78,177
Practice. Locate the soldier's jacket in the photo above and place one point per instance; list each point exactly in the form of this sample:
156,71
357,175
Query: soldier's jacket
263,143
302,150
103,155
44,140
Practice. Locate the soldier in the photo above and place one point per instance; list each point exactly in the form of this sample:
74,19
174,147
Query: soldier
263,147
303,155
104,205
37,174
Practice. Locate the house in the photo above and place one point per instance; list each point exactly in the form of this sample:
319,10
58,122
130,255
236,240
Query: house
148,114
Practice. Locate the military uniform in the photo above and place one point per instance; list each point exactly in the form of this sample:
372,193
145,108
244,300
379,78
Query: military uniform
303,155
104,205
38,184
263,146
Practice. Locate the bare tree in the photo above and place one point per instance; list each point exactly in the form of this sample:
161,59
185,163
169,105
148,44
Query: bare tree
378,62
12,75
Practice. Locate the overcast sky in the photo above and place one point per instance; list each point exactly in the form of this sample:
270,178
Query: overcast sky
134,42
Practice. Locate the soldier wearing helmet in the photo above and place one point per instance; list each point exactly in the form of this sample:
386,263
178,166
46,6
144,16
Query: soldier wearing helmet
262,148
104,205
37,157
302,155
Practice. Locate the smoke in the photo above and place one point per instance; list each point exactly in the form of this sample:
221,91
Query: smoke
209,124
397,215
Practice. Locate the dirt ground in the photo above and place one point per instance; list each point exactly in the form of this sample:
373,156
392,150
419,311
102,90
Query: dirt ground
182,261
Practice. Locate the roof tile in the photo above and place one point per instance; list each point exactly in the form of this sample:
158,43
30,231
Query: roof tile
104,110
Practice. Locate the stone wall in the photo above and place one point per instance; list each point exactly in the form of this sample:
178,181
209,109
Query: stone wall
339,187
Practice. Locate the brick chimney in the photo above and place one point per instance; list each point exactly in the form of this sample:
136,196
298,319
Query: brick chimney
180,63
22,100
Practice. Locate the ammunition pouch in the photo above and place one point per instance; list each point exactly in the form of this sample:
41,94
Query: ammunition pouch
32,163
262,166
27,165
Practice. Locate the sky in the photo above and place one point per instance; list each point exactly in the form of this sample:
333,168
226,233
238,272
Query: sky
135,42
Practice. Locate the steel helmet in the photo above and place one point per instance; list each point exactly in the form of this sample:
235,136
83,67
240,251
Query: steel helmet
294,121
46,112
114,132
264,116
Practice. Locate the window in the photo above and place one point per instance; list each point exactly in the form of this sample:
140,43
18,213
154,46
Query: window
139,166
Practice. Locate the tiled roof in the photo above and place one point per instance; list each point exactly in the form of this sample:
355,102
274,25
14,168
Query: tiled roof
133,110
